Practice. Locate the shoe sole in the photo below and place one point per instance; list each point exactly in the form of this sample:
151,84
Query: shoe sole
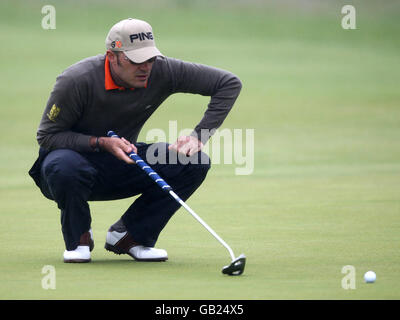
118,251
77,260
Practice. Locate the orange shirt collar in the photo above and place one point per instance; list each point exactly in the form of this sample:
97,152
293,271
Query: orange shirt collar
108,80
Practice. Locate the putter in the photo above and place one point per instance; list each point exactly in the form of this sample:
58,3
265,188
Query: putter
236,267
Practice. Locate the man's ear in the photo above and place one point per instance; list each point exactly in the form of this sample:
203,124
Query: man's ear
110,55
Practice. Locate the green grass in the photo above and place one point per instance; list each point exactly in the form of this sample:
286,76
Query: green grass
324,103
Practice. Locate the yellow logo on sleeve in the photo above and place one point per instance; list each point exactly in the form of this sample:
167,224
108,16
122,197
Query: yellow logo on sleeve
54,111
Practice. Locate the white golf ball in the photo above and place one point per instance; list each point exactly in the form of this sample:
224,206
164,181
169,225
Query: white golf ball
370,277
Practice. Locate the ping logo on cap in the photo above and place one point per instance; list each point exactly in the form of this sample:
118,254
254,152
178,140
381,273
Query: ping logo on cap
141,36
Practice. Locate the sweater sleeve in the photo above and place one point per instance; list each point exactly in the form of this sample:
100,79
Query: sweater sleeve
63,110
222,86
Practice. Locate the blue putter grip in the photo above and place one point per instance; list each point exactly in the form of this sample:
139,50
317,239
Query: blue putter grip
144,166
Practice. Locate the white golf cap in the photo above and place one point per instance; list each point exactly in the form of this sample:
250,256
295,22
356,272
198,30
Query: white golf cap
135,38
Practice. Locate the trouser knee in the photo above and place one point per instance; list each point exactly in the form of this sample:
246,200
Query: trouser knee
66,172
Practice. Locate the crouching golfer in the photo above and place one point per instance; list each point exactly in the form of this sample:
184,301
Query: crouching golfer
119,91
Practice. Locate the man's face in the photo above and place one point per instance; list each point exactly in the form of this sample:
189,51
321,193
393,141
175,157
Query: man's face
134,75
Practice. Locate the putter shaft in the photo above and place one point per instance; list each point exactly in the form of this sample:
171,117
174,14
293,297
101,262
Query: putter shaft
205,225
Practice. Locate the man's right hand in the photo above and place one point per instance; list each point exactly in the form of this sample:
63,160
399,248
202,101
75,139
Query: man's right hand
118,147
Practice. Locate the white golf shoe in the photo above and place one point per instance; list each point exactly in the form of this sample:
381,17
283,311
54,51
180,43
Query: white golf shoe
122,243
82,253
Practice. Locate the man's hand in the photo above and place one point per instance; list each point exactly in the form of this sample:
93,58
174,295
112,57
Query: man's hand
188,145
118,147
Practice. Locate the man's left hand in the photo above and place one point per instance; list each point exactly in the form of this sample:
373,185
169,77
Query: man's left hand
187,145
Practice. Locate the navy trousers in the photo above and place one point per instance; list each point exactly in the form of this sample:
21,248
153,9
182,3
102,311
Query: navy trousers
72,179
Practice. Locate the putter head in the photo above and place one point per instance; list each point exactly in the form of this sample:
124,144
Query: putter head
236,267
